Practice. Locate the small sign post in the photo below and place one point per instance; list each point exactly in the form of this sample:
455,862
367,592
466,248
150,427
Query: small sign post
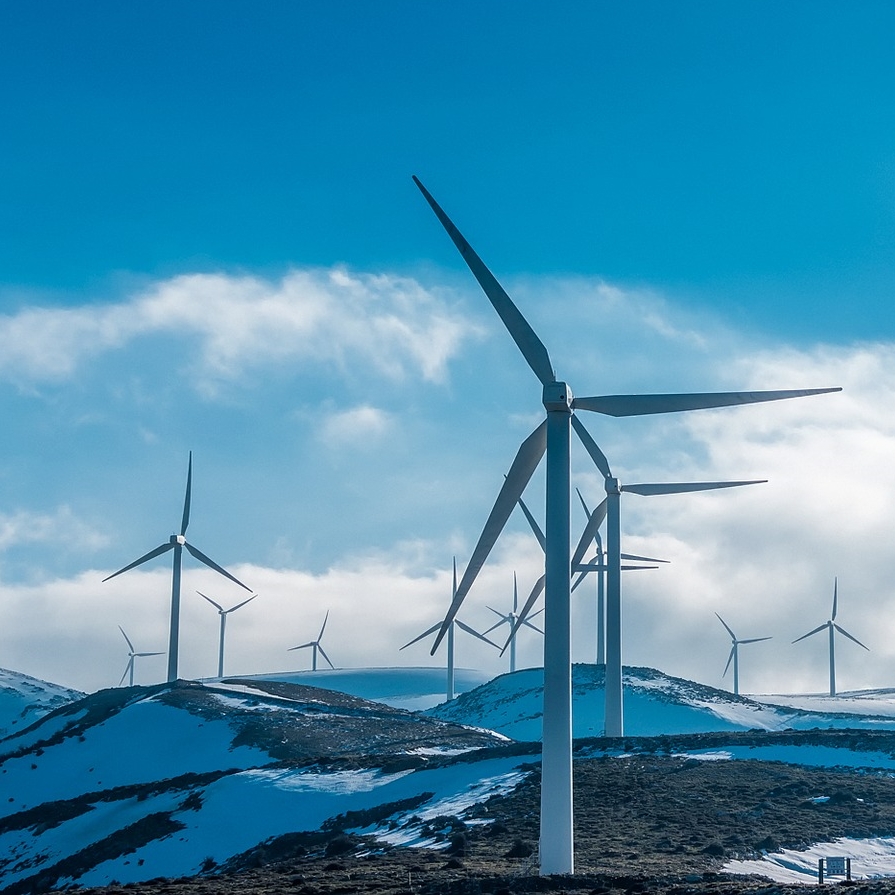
837,866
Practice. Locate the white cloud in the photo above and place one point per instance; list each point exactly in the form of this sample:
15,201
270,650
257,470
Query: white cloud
58,528
357,427
331,318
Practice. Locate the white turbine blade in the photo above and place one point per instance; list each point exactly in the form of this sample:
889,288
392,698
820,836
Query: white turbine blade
216,605
465,627
527,458
593,523
534,525
583,504
303,646
425,633
835,598
581,576
504,620
213,565
685,487
162,548
515,593
240,605
586,567
186,500
130,645
729,659
638,405
846,634
755,640
319,647
529,603
643,558
454,590
524,336
591,447
822,627
528,624
143,655
130,664
323,627
727,627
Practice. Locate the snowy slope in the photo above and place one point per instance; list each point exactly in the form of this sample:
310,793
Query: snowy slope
404,688
24,699
655,704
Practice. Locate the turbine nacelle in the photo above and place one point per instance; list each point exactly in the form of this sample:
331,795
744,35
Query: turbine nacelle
558,397
177,539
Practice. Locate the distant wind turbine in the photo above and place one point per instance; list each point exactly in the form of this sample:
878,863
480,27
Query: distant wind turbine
735,654
132,656
553,436
316,646
223,614
449,688
177,543
833,627
510,618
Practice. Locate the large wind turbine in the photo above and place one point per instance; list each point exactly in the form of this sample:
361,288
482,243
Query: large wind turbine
833,627
735,654
515,620
316,646
456,623
554,436
131,657
223,614
177,543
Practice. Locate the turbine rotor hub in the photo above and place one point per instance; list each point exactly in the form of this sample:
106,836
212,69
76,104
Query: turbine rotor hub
613,486
557,397
177,539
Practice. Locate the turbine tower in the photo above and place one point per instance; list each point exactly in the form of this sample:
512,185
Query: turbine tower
833,627
735,654
316,646
449,687
177,543
132,656
223,614
515,621
553,436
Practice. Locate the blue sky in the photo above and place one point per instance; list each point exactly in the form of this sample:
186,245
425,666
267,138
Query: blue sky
211,242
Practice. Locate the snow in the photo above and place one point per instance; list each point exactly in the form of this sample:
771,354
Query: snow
24,699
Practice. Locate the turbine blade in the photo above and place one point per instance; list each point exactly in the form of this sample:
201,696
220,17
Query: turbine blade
755,640
323,626
822,627
240,605
643,558
638,405
524,336
592,447
465,627
855,639
534,525
583,504
528,624
529,603
685,487
186,500
729,660
727,628
303,646
126,670
593,523
578,580
163,548
425,633
495,626
130,645
143,655
216,605
319,647
515,593
835,597
454,591
524,465
213,565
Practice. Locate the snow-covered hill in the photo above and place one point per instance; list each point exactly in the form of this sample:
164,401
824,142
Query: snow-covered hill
24,699
655,704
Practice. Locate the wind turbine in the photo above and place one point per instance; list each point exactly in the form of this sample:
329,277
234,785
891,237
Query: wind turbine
316,646
177,543
132,656
450,641
223,614
553,436
833,627
735,654
515,621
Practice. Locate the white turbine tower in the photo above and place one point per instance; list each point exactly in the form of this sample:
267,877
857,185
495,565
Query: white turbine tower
456,623
515,621
177,543
132,656
735,654
554,437
833,627
223,614
315,646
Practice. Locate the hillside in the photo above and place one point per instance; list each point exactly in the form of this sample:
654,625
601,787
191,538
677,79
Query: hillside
24,699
